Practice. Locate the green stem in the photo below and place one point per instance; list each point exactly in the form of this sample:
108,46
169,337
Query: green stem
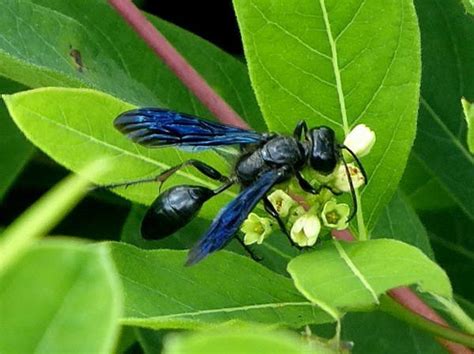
399,311
360,219
456,313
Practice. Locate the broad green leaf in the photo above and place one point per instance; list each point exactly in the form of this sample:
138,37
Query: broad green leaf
351,276
469,116
339,63
447,36
245,340
15,150
62,297
450,233
38,37
424,189
381,331
400,221
42,216
74,126
160,292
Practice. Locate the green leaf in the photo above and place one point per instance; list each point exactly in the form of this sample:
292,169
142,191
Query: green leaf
399,221
39,36
422,188
381,331
74,126
339,63
15,150
351,276
469,5
42,216
469,116
63,296
447,37
450,233
245,340
161,293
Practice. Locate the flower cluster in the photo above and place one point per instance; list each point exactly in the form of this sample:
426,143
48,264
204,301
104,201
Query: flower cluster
324,212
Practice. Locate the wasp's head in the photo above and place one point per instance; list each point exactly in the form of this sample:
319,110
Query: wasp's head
324,153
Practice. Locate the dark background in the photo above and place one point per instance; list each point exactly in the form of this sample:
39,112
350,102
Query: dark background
212,20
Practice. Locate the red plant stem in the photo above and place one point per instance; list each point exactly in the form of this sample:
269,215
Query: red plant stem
409,299
406,297
177,63
224,113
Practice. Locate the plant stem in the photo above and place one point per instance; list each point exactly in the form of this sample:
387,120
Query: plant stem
397,310
409,301
177,63
457,313
223,112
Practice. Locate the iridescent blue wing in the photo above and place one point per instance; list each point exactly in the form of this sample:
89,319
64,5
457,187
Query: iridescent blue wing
155,127
229,219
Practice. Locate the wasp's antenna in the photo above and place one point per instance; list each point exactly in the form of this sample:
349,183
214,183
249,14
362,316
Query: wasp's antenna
356,159
351,185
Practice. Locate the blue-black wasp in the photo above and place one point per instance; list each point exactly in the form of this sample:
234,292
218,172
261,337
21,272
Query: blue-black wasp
265,159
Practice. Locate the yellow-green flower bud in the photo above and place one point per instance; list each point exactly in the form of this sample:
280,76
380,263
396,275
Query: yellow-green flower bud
340,181
305,230
360,140
335,215
282,202
256,229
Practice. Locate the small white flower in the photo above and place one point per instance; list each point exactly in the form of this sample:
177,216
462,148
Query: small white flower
282,202
341,182
294,214
360,140
256,229
335,215
305,230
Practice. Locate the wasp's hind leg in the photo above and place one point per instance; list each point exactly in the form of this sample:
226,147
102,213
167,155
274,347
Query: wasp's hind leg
270,209
202,167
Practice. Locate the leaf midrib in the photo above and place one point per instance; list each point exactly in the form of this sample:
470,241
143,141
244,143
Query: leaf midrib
272,305
335,65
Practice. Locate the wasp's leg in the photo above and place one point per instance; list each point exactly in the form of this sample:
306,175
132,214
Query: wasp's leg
307,187
127,184
272,211
356,159
162,177
251,253
353,192
300,130
202,167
